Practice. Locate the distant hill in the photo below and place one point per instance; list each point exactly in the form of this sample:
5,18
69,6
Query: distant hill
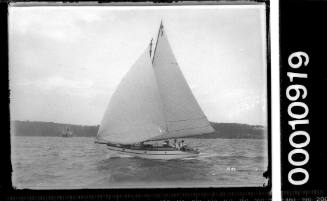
235,131
51,129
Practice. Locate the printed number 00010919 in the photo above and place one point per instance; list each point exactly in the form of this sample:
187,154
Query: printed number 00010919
294,92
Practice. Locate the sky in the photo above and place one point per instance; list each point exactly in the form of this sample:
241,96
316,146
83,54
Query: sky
65,62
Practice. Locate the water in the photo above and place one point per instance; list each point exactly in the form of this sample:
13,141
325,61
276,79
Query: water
61,163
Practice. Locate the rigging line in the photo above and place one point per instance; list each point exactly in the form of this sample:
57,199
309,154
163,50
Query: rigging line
150,47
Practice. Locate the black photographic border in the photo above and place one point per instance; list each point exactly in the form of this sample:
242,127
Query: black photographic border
302,30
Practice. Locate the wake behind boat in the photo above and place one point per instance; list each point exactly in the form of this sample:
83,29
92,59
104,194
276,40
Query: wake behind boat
153,102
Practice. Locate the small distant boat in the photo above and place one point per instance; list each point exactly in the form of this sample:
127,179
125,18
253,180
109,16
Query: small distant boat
152,103
67,132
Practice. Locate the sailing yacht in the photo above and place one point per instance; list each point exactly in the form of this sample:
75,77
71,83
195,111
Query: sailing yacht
152,103
67,132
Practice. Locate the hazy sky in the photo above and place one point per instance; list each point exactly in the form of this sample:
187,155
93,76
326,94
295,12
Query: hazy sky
65,62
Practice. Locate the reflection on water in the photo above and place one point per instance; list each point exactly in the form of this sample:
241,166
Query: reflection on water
54,162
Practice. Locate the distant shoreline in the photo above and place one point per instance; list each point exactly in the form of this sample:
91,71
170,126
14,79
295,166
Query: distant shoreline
51,129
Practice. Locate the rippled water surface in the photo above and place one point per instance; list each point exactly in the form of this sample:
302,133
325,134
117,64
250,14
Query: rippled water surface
77,162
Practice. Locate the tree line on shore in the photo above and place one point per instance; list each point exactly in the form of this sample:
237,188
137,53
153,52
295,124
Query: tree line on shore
51,129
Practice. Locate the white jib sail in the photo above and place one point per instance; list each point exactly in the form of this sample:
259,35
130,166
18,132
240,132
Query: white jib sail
183,114
135,111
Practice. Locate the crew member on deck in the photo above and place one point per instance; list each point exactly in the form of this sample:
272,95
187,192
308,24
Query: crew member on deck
175,143
166,144
182,143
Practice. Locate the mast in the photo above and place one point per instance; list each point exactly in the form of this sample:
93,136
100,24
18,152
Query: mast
160,31
160,28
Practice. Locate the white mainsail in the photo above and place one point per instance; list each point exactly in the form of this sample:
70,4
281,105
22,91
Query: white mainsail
153,102
135,112
183,114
